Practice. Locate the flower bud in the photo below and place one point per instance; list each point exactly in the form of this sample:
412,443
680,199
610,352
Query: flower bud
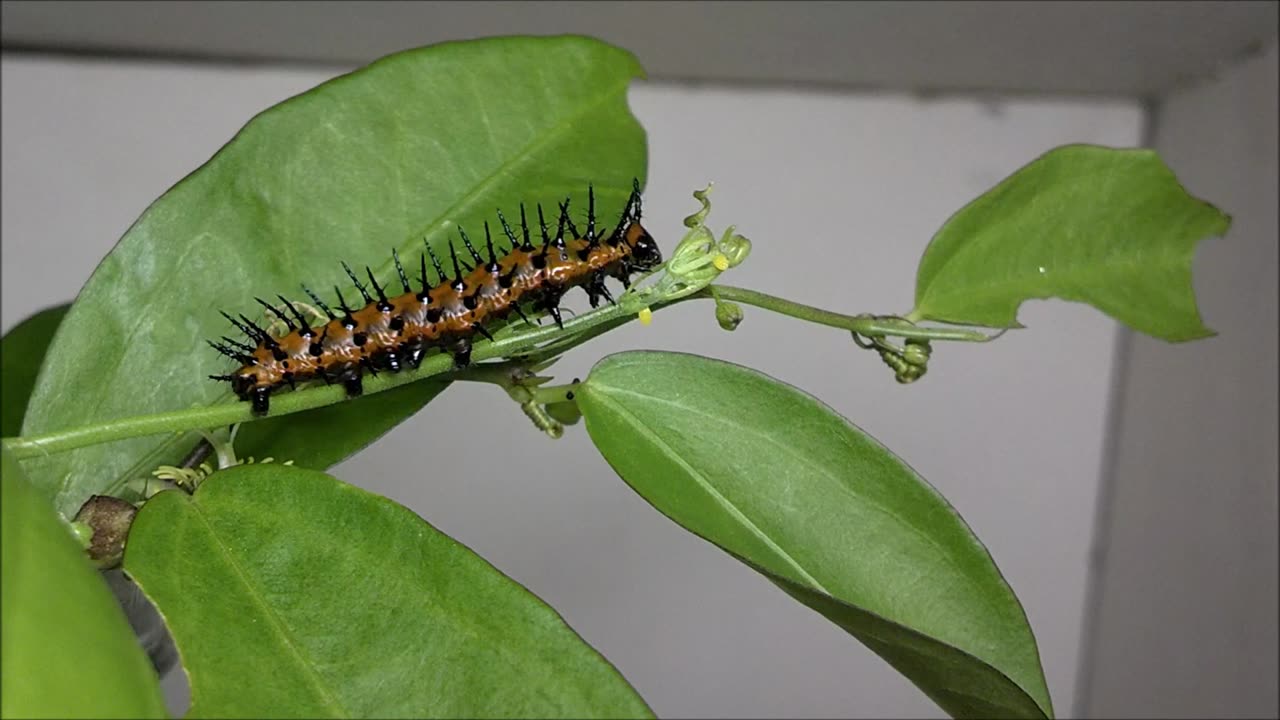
728,314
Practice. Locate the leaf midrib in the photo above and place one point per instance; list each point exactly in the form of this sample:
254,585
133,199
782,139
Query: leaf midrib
543,670
603,395
860,499
274,620
992,606
434,227
470,199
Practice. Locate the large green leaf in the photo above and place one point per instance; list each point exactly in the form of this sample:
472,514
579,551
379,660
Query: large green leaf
777,479
291,593
67,650
403,149
1112,228
22,352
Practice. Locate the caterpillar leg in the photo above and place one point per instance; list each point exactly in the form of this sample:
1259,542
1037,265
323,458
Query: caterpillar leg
596,289
352,381
555,315
550,301
461,350
261,400
390,360
622,272
413,353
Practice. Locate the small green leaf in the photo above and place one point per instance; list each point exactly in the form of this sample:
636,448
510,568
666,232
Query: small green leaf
406,149
67,649
291,593
1112,228
778,480
22,352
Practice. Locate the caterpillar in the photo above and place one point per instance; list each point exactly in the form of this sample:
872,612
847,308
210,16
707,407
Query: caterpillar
392,333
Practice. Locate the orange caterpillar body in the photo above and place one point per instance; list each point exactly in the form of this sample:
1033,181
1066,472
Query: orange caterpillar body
396,332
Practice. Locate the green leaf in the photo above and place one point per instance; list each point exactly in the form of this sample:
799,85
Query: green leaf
775,478
404,149
67,649
22,352
1112,228
291,593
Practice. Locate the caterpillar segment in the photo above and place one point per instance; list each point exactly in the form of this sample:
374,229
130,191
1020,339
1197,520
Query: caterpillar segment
394,333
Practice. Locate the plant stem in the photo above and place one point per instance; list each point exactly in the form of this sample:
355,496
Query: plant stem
523,347
288,403
862,324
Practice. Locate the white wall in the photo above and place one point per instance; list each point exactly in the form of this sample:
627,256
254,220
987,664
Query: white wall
840,194
1186,592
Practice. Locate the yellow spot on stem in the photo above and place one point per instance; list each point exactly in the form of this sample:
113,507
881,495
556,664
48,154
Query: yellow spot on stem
646,316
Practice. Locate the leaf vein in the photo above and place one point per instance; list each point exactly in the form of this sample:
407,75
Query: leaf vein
710,489
276,623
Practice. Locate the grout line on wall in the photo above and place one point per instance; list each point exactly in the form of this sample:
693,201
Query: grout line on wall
1108,479
1090,624
90,53
35,51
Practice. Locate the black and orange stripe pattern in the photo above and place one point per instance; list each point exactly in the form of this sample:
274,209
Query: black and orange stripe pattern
391,333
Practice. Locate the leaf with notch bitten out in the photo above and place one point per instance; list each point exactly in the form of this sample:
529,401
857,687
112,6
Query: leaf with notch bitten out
783,483
409,147
1112,228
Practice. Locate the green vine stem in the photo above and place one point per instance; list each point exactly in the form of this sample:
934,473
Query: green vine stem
868,325
696,262
576,332
233,411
